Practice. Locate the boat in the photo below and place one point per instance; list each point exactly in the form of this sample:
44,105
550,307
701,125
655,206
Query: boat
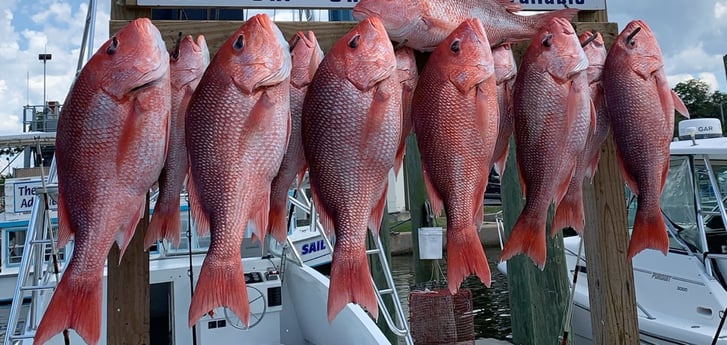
681,297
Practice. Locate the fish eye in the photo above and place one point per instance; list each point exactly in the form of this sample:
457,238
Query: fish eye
547,40
353,43
175,54
239,43
454,47
112,47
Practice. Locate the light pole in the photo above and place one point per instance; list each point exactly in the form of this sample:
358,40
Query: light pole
44,57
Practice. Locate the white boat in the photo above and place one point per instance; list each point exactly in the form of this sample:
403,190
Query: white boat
681,297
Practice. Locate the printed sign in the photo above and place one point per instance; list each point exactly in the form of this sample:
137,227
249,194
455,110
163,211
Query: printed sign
534,5
24,195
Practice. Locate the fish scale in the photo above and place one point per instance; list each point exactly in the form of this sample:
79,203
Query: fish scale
456,119
351,127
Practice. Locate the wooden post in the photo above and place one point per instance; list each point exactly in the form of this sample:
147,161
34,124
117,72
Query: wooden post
127,314
538,299
377,272
417,198
610,275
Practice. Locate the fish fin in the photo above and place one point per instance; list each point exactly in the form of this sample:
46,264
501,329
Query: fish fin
562,188
510,6
221,283
165,223
527,237
465,256
323,216
123,237
199,218
679,105
76,304
375,116
630,181
593,165
434,199
569,212
399,159
649,232
261,211
301,175
500,159
277,216
350,282
65,231
377,213
521,178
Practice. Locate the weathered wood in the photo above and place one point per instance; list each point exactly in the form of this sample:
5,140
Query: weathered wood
538,299
127,314
610,274
216,32
121,12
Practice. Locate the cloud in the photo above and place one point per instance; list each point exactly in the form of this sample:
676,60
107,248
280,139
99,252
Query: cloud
706,77
720,9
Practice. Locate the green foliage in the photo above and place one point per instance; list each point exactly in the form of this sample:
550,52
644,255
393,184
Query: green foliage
699,101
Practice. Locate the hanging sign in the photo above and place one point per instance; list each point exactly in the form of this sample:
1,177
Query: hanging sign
530,5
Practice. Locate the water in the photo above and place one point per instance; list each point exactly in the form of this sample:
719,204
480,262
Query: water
491,305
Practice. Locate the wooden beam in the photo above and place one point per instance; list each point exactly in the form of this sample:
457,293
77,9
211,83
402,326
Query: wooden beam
121,12
127,313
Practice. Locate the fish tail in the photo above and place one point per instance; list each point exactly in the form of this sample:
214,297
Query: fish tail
220,283
277,217
76,304
569,212
527,237
350,282
544,18
465,256
164,224
649,231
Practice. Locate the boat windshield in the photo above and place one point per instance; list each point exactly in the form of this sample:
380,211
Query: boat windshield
677,203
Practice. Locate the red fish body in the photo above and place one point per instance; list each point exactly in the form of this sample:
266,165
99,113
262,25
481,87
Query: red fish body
552,112
425,23
351,128
641,109
406,70
237,129
306,55
187,63
505,72
110,148
456,118
570,210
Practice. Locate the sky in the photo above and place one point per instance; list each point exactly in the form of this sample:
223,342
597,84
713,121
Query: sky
30,27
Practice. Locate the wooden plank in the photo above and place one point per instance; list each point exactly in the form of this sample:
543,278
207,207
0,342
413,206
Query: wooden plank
127,314
417,194
121,12
216,32
538,299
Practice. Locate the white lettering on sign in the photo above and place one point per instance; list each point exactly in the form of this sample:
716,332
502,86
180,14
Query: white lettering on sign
24,194
529,5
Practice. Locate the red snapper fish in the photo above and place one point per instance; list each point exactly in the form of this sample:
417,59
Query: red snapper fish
552,112
456,120
406,70
422,24
505,72
110,148
641,109
187,62
570,210
351,129
306,55
237,129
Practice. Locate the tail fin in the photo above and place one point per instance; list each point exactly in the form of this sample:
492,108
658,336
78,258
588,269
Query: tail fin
527,237
165,223
350,282
544,18
76,304
277,217
220,283
570,211
649,231
465,256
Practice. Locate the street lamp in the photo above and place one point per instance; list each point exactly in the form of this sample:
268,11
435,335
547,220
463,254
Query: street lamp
44,57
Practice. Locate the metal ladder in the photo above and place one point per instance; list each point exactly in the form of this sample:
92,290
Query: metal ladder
39,237
400,326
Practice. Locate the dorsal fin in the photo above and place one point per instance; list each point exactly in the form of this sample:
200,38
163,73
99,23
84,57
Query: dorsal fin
510,6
